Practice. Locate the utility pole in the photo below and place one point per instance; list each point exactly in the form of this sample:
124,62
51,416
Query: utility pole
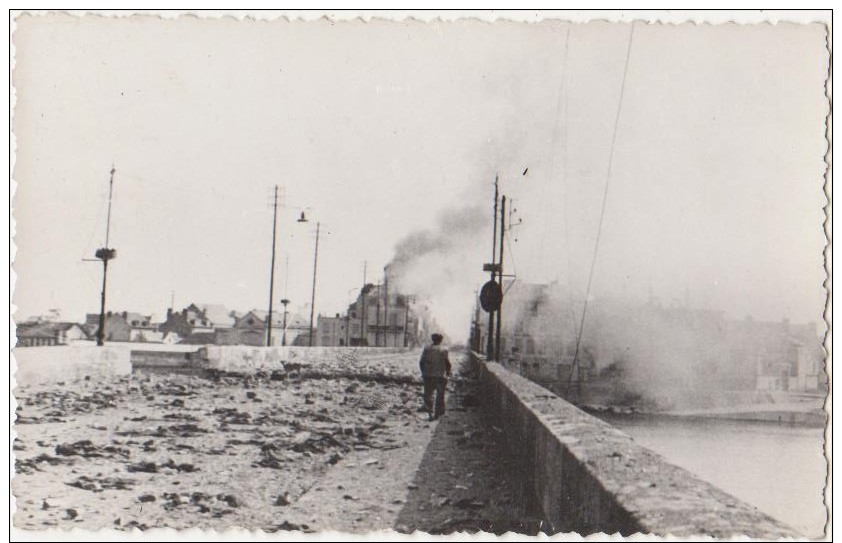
313,296
284,337
347,330
477,341
363,327
500,275
386,306
105,254
406,322
377,327
272,269
489,349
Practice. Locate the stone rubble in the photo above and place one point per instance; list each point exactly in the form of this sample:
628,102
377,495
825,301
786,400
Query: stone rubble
234,449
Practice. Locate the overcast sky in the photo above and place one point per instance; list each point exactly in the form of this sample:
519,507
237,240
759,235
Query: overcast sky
384,129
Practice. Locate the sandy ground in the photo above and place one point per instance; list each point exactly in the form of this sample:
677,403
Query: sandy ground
279,452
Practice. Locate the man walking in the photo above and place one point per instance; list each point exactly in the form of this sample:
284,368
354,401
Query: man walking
435,369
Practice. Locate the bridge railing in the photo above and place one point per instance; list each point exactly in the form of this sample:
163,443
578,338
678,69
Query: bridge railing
589,477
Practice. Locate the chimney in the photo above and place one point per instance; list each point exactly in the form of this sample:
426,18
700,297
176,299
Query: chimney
125,314
169,313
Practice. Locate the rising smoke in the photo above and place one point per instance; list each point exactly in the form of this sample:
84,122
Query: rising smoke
438,265
649,355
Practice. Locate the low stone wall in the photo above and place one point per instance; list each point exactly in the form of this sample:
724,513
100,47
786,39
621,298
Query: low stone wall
168,361
244,359
67,363
589,477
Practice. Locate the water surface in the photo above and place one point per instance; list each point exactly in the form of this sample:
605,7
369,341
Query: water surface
778,468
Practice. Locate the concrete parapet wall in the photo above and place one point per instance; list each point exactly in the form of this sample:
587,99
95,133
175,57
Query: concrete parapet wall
589,477
66,363
244,359
168,361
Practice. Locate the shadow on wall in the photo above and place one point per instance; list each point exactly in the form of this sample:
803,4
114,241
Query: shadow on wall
463,483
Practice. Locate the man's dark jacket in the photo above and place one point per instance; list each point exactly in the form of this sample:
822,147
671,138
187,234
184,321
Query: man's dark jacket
435,362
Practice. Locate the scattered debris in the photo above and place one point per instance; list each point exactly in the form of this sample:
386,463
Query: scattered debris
98,485
87,449
142,467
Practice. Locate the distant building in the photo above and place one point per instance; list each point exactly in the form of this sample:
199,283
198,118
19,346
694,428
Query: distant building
333,331
377,318
122,326
37,334
251,329
537,335
778,356
198,323
649,346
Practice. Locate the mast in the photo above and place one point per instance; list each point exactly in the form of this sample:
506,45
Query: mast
500,275
363,327
105,254
272,269
313,296
489,350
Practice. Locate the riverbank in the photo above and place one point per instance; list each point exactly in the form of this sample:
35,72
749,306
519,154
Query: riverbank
809,414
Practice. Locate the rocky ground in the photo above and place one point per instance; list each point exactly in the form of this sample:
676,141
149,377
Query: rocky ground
307,449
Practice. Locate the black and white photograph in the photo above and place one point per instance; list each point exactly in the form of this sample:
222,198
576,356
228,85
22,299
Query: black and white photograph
384,273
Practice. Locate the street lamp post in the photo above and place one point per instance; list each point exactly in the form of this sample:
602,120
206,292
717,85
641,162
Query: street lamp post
348,318
303,218
272,269
285,302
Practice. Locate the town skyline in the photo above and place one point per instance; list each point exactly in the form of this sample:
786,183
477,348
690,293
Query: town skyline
379,144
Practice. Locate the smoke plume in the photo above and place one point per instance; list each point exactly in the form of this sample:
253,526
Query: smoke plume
440,265
649,355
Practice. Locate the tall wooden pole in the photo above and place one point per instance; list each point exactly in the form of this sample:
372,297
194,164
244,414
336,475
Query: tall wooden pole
105,254
313,296
489,349
500,275
284,337
385,307
406,322
272,270
363,324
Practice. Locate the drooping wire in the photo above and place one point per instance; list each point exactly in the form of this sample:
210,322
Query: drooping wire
551,170
602,212
565,176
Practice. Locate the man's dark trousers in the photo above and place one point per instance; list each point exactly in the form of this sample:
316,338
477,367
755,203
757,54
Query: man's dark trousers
434,385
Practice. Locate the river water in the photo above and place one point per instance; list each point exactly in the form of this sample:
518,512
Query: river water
780,469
